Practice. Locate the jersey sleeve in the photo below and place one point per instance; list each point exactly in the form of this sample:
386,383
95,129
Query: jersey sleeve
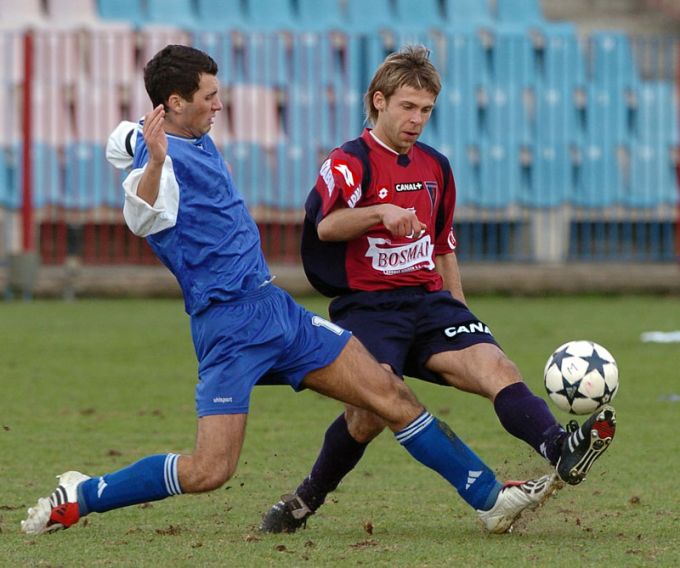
338,183
445,237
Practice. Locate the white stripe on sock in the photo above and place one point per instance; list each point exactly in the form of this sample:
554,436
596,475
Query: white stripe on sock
414,428
171,477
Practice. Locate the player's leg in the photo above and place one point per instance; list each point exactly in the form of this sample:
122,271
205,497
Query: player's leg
460,350
484,369
218,444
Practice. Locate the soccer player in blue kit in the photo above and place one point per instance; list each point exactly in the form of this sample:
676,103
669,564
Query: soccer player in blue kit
180,196
379,238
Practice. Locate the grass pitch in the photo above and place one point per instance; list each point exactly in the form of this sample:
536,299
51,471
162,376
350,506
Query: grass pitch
95,385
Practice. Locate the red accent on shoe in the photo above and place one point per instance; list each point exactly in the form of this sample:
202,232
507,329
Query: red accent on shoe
67,514
604,429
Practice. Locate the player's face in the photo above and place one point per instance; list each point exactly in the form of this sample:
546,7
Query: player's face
402,117
196,117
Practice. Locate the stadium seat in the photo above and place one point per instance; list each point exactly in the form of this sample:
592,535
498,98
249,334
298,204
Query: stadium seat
153,38
552,176
613,66
220,16
262,60
271,17
562,62
467,15
69,14
600,177
321,16
255,115
22,14
419,16
519,11
177,13
500,175
513,63
297,167
653,177
56,58
656,113
10,191
556,118
251,170
366,18
465,172
111,59
607,117
505,117
131,11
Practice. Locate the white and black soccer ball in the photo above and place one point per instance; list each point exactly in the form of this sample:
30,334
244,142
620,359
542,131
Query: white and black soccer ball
581,377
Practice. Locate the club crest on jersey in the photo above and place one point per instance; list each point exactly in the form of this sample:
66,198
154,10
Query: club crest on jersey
412,186
390,259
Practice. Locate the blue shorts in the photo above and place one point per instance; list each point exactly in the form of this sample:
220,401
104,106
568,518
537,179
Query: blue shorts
264,338
405,327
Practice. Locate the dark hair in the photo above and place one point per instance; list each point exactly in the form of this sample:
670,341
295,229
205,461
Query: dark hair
408,67
176,69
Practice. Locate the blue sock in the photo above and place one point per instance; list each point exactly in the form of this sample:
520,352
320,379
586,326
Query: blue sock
434,444
150,479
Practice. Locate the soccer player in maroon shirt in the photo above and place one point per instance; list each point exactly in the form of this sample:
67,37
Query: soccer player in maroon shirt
379,238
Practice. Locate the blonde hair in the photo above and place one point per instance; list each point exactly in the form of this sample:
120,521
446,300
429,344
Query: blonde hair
408,67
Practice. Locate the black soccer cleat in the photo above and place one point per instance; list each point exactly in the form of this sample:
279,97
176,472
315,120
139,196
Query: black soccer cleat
286,516
583,445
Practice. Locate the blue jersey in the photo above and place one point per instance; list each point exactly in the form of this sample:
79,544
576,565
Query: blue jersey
213,248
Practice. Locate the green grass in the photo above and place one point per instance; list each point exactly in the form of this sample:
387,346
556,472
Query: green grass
95,385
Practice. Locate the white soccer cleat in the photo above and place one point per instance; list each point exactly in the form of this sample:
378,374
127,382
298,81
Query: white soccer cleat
515,498
59,510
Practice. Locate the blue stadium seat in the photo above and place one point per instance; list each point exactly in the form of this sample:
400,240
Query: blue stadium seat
613,65
465,173
500,182
656,112
251,171
131,11
505,116
320,16
600,178
562,62
178,13
607,119
519,11
10,164
262,60
552,176
369,17
419,16
297,167
47,175
653,177
89,180
268,16
513,59
220,15
467,14
556,119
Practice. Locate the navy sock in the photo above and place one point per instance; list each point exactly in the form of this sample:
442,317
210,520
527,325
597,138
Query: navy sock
150,479
527,417
435,445
338,456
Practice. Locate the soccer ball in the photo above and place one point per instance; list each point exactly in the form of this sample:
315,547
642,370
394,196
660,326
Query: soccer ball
581,377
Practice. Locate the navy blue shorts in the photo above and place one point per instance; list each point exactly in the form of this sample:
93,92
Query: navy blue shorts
264,338
405,327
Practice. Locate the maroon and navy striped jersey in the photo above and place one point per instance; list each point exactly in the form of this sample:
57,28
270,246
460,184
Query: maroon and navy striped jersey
365,172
